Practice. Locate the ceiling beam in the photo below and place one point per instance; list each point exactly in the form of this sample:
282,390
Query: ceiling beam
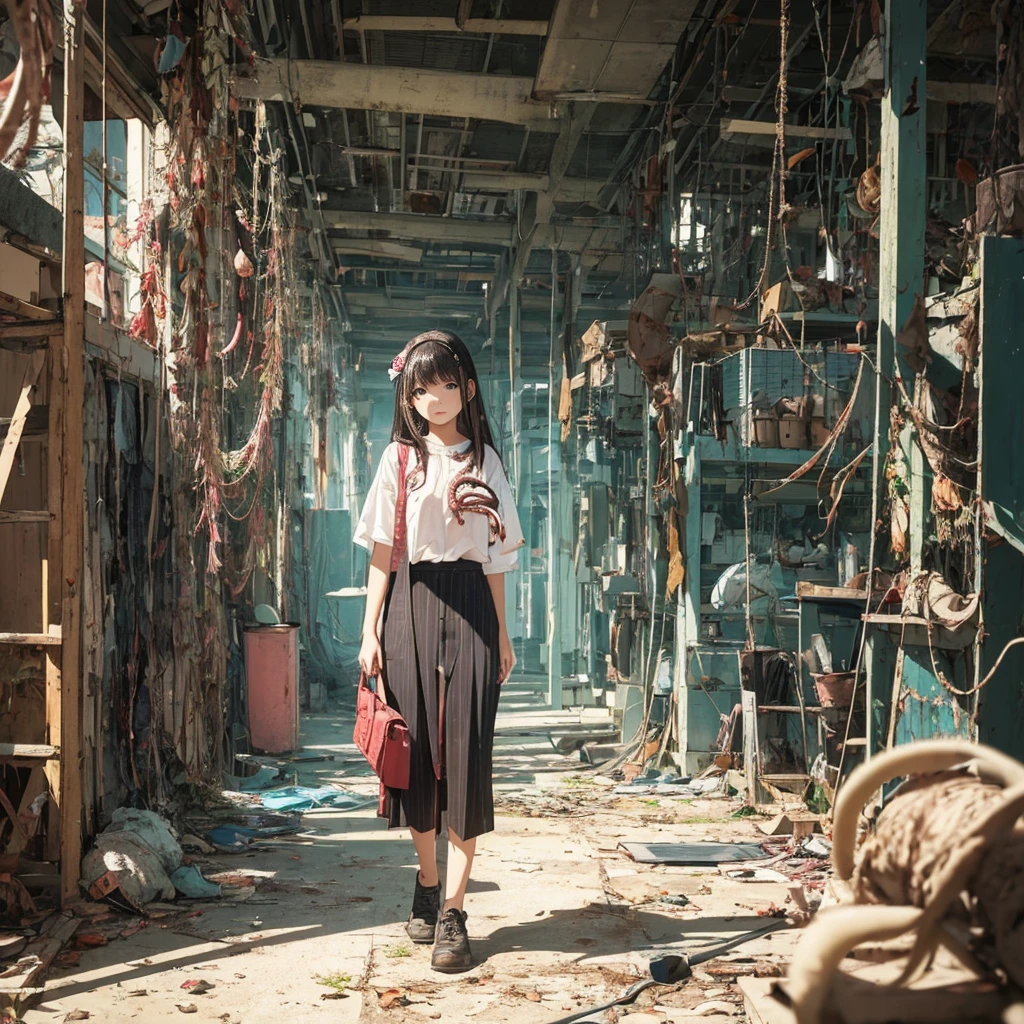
539,213
471,26
324,83
569,190
733,127
422,228
619,46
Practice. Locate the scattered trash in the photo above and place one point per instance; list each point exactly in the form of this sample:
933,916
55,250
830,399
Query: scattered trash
88,940
237,839
674,901
263,778
534,997
187,1007
197,986
188,881
137,861
816,846
302,798
755,875
692,854
77,1015
673,785
790,825
390,997
136,993
191,842
711,1007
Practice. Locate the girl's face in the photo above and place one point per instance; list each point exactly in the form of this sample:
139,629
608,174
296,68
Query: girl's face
440,403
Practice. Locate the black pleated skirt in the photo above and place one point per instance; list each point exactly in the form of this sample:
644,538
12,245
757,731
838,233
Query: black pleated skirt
441,656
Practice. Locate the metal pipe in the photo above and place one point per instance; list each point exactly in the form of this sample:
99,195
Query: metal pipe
554,644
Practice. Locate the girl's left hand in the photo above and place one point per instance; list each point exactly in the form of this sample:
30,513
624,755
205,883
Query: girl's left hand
508,659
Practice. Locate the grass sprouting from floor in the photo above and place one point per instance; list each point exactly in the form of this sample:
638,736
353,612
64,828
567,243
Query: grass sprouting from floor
339,982
397,952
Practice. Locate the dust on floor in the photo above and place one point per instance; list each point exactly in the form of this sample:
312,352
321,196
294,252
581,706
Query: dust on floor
559,917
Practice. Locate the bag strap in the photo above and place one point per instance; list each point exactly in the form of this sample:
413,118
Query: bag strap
398,545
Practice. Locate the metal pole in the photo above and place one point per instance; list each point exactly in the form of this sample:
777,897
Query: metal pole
554,566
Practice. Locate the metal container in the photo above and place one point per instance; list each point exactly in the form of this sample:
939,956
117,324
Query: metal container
835,689
272,678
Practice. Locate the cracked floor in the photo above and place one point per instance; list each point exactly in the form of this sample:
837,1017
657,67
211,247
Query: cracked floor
560,919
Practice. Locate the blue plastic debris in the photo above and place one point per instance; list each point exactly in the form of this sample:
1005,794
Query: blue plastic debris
302,798
190,883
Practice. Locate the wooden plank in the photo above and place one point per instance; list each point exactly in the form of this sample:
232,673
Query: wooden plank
36,785
731,126
31,639
35,423
17,991
19,307
27,750
29,330
808,591
72,502
17,423
25,515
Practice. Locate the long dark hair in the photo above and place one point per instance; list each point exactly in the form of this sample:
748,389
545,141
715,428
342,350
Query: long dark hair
436,357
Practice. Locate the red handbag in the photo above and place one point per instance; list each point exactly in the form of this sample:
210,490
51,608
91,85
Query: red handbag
381,733
382,737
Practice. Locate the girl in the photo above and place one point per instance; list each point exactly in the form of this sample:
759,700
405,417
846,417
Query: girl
444,648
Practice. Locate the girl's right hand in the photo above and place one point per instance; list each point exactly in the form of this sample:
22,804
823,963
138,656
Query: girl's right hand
370,658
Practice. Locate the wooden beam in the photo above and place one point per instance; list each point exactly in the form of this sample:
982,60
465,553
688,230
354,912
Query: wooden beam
471,26
17,423
19,307
324,83
24,516
423,228
29,330
35,422
28,751
31,639
730,127
71,444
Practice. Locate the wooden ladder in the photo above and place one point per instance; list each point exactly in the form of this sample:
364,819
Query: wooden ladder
54,765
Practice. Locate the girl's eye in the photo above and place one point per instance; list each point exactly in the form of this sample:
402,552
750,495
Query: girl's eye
451,386
419,392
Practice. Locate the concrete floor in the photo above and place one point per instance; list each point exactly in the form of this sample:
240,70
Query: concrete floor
558,919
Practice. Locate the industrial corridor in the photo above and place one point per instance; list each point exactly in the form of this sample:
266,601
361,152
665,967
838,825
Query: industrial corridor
511,510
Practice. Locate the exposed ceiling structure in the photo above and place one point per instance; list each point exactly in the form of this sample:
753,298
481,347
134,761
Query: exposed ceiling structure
440,151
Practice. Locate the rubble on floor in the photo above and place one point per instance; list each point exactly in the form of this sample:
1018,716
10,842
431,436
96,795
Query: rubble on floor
560,918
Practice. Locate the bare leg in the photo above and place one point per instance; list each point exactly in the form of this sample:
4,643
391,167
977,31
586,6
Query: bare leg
460,861
426,852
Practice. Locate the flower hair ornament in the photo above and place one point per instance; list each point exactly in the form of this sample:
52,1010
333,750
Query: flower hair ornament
398,363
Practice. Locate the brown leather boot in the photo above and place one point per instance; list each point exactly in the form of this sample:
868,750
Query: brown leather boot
451,946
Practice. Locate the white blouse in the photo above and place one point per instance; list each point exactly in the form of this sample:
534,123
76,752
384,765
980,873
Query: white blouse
491,536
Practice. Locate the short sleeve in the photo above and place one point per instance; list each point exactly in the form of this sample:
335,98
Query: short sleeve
377,523
504,554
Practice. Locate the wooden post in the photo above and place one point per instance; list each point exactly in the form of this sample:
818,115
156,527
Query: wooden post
901,260
70,441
